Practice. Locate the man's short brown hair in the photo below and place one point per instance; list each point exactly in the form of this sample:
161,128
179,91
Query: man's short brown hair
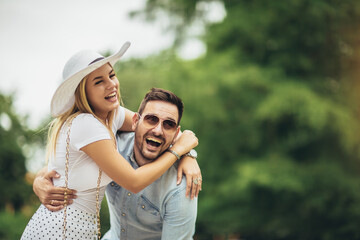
158,94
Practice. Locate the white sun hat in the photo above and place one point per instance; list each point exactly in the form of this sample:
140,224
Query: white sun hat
76,68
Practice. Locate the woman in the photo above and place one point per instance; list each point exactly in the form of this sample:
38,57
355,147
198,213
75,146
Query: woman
82,144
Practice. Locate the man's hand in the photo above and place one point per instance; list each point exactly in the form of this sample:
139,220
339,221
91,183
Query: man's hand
190,167
51,197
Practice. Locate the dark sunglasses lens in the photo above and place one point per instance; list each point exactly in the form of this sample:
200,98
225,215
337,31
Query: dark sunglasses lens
168,124
151,120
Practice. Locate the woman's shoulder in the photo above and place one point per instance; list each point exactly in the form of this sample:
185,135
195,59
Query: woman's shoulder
85,117
86,129
86,122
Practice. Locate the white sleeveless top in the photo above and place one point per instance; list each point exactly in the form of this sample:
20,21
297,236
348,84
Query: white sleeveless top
83,171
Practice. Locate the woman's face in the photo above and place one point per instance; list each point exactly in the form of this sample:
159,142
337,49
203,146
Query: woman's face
101,90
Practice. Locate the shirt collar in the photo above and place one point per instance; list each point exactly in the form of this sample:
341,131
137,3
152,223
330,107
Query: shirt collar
132,160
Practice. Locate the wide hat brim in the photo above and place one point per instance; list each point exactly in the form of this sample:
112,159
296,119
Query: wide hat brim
64,96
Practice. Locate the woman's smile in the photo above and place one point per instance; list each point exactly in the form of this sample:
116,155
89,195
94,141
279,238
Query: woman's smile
112,96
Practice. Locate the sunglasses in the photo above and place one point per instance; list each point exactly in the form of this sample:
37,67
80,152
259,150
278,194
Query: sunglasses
151,121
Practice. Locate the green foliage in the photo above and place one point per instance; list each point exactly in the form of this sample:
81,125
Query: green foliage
15,189
136,77
13,135
104,217
279,160
12,225
273,103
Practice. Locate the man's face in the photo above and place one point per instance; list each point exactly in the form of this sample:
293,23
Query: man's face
155,130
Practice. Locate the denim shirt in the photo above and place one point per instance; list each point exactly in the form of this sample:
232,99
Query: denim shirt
160,211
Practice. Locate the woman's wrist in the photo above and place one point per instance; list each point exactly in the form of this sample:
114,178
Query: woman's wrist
175,153
179,150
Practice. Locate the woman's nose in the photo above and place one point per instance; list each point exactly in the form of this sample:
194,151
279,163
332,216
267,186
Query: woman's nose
110,83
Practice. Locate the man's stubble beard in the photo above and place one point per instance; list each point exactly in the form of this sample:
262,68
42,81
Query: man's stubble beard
141,148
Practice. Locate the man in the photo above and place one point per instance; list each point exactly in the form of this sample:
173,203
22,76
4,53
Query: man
162,210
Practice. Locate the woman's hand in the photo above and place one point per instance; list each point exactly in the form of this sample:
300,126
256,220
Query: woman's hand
190,167
51,197
185,143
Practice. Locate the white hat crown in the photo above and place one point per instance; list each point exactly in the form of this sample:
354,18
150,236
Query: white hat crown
80,61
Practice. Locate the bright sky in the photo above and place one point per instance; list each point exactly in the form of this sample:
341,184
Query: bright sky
38,36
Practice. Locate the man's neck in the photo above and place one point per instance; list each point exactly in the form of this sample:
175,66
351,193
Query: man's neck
140,160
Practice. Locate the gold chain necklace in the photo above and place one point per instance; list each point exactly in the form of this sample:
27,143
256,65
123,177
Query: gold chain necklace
97,233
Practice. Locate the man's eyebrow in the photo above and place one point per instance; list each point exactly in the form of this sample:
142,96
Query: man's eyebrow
156,115
172,119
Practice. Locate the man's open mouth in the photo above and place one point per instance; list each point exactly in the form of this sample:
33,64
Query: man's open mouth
153,142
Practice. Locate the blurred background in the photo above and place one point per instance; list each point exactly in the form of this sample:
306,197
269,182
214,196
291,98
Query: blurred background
270,88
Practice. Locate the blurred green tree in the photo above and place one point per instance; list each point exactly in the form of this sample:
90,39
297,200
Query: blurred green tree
274,102
16,190
13,136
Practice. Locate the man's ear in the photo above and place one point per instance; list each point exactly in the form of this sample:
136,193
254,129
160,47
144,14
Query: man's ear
177,135
135,120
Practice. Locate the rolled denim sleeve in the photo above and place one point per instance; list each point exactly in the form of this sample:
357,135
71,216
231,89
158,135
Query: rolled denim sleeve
179,217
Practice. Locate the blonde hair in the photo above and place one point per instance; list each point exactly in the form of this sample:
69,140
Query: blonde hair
81,105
